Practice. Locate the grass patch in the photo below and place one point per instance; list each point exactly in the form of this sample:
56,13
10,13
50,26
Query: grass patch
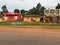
40,24
28,23
9,22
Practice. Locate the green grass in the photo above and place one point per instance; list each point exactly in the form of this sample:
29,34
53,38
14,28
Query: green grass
28,23
8,22
40,24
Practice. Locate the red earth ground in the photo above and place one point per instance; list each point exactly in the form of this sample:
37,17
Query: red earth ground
30,29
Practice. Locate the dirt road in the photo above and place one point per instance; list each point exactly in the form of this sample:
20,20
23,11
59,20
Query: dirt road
29,35
30,29
10,38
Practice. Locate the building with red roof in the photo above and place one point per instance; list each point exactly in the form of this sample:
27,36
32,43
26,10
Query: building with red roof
12,16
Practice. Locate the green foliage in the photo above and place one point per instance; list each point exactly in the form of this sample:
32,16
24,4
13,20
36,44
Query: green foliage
4,8
23,12
42,10
38,7
58,6
32,11
16,11
37,10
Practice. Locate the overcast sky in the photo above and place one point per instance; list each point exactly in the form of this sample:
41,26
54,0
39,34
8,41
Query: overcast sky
27,4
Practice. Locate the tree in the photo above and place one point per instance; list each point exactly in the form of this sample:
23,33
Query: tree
23,12
32,11
42,13
4,8
35,10
26,12
58,6
38,8
42,10
16,11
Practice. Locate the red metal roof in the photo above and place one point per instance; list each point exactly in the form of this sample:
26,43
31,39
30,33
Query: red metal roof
11,13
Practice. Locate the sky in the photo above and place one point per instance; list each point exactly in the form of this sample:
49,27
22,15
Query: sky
27,4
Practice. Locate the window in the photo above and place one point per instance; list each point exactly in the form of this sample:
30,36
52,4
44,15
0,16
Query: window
57,11
52,11
47,11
